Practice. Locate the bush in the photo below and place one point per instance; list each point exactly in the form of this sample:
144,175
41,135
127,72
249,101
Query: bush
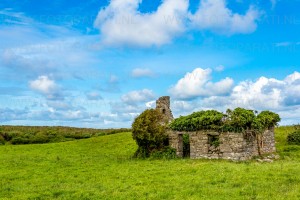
165,153
149,132
39,138
2,140
266,120
201,120
294,138
20,140
238,120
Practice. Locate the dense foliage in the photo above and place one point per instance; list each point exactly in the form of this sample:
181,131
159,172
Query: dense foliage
39,135
294,138
149,132
210,119
237,120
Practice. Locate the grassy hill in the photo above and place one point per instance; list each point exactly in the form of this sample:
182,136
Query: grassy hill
102,168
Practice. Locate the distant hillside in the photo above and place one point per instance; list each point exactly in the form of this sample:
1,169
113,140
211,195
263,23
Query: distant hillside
49,134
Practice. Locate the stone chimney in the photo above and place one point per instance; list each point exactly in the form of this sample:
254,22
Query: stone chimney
163,105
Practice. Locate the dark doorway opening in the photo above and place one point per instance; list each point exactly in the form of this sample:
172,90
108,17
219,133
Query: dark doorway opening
186,145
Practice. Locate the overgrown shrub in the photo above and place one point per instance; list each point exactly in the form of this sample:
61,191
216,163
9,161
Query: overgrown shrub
265,120
149,132
2,140
294,138
237,120
20,140
165,153
39,138
201,120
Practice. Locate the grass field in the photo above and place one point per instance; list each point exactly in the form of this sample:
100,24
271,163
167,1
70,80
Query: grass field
102,168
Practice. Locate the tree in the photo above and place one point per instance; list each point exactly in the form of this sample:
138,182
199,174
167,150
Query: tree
149,132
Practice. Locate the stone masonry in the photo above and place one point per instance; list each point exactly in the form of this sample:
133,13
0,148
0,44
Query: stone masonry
163,105
232,146
219,145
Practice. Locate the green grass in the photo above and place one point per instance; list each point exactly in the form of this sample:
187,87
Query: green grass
102,168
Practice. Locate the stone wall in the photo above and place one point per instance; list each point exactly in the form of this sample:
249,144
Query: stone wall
225,145
268,142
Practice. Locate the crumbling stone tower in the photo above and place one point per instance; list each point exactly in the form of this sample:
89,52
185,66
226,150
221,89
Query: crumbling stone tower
163,105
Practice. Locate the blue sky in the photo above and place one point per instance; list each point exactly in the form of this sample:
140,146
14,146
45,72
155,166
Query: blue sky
101,63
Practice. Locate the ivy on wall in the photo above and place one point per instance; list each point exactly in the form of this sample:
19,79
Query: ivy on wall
237,120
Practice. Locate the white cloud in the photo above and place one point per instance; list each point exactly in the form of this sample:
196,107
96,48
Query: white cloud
43,84
151,104
184,107
279,95
47,87
140,96
198,84
267,93
215,16
121,23
292,78
262,94
141,72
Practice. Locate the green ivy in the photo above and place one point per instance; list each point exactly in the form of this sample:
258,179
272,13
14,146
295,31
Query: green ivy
210,119
237,120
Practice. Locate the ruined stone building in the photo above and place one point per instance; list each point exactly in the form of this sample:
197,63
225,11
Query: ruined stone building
218,145
163,105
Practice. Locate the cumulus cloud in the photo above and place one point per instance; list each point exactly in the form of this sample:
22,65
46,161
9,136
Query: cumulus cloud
262,94
47,87
121,23
281,96
43,84
141,72
215,16
141,96
267,93
198,84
